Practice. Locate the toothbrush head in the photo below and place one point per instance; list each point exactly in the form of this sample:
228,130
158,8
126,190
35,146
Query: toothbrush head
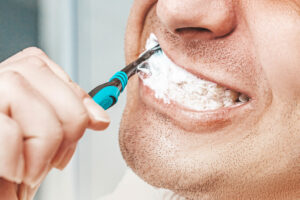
131,69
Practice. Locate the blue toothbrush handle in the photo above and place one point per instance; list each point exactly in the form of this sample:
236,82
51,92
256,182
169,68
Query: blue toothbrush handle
106,95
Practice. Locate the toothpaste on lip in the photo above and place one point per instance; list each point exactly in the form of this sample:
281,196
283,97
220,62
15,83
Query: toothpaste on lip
174,84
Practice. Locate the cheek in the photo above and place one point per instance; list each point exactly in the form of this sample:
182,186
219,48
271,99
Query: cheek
277,37
135,26
281,60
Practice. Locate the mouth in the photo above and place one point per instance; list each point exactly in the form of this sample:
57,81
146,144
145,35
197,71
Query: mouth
171,83
183,95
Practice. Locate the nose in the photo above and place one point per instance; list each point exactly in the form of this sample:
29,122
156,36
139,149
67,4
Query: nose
197,19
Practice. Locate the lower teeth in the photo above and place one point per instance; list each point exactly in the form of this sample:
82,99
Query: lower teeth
172,83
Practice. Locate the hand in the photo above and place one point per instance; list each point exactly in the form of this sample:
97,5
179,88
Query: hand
43,114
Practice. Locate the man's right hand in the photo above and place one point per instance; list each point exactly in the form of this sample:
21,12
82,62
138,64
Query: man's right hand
43,114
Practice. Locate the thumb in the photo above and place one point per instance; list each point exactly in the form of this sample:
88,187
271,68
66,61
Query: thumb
99,119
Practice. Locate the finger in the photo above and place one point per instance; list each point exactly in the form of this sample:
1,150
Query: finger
42,131
33,51
26,192
7,190
22,192
32,192
69,108
68,154
11,150
96,113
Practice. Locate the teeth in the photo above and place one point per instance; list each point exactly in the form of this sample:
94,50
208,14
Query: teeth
231,96
173,83
243,98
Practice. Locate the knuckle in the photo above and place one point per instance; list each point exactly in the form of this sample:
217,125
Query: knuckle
82,118
80,92
35,61
79,123
11,83
33,51
10,131
9,78
56,135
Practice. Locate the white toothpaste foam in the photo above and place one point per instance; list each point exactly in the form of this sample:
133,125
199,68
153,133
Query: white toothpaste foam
172,83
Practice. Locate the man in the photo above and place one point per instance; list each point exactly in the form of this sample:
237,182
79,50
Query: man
248,151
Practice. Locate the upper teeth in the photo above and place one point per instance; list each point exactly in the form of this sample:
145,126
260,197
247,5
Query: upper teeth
173,83
243,98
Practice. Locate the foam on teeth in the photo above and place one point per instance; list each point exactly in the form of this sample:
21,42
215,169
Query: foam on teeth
172,83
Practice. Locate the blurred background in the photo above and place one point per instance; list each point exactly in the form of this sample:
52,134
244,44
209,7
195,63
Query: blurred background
85,37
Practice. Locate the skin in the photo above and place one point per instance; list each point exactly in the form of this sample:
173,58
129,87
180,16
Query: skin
43,114
251,45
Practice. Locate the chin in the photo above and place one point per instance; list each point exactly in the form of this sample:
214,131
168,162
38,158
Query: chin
167,156
152,149
225,163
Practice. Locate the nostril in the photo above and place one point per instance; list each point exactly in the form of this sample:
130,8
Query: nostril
197,19
192,29
191,33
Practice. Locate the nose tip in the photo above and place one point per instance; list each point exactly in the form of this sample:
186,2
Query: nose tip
197,19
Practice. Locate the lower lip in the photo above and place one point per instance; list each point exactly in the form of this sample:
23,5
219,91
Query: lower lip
191,120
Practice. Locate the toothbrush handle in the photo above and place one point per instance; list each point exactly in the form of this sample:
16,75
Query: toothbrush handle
97,89
107,94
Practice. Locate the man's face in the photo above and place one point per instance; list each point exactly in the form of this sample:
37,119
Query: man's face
250,151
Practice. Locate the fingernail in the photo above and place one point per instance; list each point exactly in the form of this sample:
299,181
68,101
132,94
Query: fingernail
96,111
